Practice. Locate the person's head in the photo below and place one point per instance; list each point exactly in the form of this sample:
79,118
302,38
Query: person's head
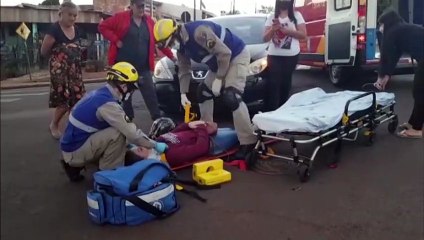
389,19
68,13
123,77
137,7
137,154
285,6
161,126
166,33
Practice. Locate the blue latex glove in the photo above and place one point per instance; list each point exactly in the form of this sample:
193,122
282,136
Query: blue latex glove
160,147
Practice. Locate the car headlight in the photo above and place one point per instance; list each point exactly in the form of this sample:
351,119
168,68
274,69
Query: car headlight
162,72
257,66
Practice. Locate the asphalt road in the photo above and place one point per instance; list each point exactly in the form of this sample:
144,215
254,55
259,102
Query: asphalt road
375,193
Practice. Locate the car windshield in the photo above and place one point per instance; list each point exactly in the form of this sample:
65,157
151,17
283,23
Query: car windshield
250,29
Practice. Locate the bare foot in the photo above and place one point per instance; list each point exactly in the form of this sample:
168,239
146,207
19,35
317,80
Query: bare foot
55,131
410,133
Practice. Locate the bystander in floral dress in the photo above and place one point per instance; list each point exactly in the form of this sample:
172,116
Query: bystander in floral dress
66,87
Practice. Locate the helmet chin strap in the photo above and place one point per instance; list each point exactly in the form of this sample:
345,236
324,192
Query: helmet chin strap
125,95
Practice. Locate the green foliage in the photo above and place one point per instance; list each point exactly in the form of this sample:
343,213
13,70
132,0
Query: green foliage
266,9
383,5
50,2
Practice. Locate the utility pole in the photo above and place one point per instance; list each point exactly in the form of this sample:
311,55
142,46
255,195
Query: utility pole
151,8
194,11
234,6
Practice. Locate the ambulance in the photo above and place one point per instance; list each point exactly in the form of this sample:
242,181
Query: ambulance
343,35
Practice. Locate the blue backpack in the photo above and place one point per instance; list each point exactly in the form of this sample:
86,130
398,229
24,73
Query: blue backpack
133,195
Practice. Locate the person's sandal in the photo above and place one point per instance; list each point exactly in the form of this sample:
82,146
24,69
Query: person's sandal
404,134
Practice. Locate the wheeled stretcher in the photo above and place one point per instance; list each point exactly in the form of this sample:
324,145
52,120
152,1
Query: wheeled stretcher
316,118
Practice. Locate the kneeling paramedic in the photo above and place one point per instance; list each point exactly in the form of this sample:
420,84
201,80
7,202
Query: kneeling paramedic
98,128
227,58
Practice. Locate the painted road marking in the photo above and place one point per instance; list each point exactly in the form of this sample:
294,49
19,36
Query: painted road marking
9,100
24,94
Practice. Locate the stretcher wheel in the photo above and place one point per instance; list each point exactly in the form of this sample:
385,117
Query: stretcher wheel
304,173
371,139
392,126
267,150
251,159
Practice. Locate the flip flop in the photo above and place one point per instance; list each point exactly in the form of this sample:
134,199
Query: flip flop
369,87
403,134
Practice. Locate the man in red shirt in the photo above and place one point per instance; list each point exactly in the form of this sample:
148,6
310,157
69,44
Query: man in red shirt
186,143
132,40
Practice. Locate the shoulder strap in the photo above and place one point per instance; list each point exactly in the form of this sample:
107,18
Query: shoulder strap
143,205
138,202
134,183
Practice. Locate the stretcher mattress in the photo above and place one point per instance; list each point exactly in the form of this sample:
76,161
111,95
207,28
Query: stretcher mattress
314,110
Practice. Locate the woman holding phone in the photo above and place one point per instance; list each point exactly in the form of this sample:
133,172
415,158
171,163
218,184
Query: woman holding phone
283,30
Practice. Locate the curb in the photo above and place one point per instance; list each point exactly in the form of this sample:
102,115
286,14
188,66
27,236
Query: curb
45,84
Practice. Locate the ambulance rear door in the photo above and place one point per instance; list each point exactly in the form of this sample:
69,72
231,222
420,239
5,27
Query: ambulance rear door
340,31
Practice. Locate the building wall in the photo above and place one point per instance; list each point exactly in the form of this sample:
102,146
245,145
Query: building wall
110,6
18,14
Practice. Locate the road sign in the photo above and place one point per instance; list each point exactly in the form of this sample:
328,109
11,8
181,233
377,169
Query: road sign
23,31
185,17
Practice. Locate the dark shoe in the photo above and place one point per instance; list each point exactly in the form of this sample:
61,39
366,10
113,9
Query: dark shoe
73,173
242,152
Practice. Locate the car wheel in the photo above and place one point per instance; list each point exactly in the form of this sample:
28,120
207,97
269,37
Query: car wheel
340,75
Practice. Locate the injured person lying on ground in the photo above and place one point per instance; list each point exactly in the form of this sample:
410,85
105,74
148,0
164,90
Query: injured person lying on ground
187,143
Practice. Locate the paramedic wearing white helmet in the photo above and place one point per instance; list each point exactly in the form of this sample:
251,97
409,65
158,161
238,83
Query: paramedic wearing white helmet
284,30
228,60
98,127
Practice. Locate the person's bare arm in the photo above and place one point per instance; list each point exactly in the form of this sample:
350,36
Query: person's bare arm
47,45
299,33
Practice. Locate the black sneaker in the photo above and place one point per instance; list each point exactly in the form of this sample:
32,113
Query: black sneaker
73,173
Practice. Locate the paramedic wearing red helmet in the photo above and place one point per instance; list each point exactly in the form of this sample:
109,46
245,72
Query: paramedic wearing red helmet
399,38
285,29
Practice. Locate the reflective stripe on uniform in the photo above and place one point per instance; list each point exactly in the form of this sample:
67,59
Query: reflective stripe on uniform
208,57
81,125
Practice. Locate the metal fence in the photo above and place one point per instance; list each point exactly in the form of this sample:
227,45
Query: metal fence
14,61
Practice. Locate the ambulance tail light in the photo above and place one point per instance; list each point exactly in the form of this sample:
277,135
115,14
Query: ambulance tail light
362,40
362,23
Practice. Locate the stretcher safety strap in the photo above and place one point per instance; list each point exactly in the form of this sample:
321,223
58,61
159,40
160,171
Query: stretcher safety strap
208,57
81,125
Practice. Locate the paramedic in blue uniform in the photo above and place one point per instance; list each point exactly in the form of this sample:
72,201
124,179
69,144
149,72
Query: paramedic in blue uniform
98,128
402,38
227,58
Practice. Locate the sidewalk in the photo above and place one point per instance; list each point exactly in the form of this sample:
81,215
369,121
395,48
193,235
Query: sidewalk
42,79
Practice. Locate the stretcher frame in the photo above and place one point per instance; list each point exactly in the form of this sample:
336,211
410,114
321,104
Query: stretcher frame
369,119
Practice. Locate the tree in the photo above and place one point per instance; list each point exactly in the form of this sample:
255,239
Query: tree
235,12
266,9
382,6
50,2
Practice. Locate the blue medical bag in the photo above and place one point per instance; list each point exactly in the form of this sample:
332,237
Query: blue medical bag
133,195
